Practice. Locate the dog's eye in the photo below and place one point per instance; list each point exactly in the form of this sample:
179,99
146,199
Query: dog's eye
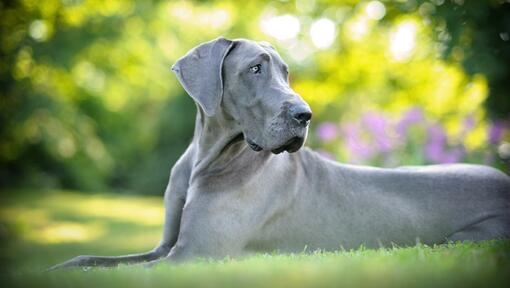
255,69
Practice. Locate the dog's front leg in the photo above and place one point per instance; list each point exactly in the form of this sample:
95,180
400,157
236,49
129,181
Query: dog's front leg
213,226
175,197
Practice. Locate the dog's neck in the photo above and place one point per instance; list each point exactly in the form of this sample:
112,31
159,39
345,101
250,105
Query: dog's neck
212,136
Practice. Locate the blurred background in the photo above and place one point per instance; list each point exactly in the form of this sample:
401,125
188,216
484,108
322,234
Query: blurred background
88,101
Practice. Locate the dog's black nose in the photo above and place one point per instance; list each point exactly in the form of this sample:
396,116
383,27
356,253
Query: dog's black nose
301,114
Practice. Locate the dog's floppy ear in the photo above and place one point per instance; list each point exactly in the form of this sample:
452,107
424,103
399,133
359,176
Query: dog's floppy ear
199,72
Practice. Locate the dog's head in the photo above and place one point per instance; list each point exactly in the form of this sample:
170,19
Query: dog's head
248,81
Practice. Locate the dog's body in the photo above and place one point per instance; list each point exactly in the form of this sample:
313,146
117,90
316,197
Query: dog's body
233,192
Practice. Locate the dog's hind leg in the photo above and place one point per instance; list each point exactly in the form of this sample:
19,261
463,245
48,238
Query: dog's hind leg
494,227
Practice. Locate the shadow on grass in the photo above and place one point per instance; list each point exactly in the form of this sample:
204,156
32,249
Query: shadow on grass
39,229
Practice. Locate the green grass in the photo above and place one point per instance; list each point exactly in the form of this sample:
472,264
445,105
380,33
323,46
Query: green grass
39,229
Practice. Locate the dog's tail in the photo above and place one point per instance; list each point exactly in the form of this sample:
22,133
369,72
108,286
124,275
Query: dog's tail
86,261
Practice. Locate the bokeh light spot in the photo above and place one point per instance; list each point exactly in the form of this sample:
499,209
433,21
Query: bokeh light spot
375,10
323,33
357,28
39,30
403,40
284,27
66,232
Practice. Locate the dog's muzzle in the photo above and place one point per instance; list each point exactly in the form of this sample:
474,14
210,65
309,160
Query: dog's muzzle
296,119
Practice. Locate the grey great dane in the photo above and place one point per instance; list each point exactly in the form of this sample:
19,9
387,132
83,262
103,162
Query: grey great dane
234,192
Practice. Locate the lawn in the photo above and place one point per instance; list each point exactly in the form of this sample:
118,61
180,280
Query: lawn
41,228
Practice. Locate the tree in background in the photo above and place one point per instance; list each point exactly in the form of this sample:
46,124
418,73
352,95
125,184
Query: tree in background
89,102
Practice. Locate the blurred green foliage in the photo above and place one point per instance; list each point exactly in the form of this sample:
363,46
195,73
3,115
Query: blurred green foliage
88,100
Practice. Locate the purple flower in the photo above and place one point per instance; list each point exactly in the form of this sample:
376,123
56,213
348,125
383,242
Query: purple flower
374,121
469,123
327,131
435,148
378,127
354,142
496,132
452,156
412,116
435,144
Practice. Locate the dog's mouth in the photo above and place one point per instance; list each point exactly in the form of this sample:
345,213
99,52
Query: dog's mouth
254,146
290,146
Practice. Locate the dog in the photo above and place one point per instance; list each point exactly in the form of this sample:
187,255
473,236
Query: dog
246,185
